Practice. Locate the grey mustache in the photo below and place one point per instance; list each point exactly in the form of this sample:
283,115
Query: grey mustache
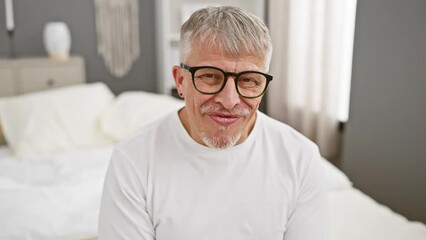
216,108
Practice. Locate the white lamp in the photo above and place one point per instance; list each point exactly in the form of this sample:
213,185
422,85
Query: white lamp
57,40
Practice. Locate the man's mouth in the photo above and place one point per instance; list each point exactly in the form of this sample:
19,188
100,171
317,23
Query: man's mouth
224,119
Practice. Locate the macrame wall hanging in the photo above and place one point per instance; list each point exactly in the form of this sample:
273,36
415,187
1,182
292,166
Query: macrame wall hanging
117,25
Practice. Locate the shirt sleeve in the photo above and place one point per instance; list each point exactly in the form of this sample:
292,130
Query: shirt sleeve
308,220
123,213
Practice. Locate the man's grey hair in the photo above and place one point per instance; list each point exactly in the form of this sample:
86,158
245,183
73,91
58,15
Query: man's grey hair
231,30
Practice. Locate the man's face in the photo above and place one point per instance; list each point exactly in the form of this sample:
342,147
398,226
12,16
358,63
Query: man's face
223,119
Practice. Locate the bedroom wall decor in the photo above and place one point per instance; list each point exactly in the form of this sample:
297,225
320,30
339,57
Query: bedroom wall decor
57,40
117,25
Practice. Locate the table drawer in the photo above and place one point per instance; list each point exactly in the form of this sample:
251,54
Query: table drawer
41,78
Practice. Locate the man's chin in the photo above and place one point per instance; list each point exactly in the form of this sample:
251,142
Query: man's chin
220,142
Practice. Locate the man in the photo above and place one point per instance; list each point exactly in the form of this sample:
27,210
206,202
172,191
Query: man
218,168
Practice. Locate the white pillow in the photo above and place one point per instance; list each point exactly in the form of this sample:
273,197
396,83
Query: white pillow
335,179
133,110
57,119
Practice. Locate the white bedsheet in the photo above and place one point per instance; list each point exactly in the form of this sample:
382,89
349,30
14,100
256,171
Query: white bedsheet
356,216
58,197
52,197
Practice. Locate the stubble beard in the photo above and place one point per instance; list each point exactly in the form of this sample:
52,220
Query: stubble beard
222,142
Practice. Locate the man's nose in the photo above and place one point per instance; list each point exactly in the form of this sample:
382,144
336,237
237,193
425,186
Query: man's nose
228,97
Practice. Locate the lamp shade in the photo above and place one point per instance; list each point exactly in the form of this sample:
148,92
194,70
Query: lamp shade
57,40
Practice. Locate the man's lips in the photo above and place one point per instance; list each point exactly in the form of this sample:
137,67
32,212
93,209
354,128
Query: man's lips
224,119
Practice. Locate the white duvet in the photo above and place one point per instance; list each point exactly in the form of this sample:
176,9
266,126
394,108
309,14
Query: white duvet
58,197
356,216
53,197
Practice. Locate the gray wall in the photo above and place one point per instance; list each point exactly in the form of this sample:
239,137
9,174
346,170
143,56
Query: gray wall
385,141
31,16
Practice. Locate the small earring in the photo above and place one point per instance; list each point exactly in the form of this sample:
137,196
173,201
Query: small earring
181,95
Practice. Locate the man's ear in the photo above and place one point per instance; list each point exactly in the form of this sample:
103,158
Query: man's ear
177,75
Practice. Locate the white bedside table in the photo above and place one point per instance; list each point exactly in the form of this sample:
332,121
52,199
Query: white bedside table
24,75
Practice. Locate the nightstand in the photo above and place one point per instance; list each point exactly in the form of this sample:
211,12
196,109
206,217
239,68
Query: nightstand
19,76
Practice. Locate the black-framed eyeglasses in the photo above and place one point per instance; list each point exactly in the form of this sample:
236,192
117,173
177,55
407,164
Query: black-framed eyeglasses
212,80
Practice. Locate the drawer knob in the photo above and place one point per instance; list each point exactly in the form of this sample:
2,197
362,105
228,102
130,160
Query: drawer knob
50,82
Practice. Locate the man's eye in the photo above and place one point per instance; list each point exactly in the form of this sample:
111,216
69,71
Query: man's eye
209,75
248,80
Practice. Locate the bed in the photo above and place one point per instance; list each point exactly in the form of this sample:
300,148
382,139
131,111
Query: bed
58,147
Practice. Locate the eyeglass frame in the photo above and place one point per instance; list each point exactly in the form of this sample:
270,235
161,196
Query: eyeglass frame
192,70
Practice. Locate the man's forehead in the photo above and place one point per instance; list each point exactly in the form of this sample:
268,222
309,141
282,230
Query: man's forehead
220,50
211,54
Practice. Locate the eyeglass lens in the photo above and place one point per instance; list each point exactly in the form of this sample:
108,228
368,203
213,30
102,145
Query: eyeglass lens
211,80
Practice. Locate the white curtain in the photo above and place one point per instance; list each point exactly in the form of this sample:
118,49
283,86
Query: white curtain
312,64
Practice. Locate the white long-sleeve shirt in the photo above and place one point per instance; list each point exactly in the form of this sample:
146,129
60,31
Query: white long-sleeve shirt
163,185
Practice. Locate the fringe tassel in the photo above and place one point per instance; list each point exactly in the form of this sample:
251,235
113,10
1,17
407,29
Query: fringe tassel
117,26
